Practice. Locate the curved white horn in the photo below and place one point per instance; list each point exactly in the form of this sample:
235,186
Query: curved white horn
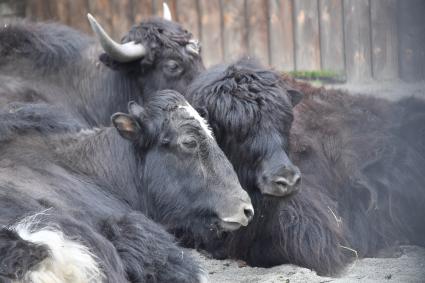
125,52
167,12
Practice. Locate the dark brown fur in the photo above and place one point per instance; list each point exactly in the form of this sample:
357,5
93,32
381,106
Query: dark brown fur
368,153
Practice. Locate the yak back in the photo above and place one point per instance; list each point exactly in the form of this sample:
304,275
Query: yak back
52,63
367,153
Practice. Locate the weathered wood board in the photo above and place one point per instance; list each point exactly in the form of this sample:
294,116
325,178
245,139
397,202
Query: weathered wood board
357,40
281,34
384,39
258,33
331,35
211,40
412,39
307,42
188,16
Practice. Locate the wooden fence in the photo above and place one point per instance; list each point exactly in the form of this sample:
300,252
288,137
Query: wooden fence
360,39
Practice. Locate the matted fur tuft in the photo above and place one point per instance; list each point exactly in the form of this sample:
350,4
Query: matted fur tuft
69,261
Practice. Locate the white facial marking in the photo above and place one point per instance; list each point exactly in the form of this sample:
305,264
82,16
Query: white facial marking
69,261
193,113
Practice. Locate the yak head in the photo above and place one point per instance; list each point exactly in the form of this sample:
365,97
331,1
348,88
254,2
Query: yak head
158,52
186,178
250,111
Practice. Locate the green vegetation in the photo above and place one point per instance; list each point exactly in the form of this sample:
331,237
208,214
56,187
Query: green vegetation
323,76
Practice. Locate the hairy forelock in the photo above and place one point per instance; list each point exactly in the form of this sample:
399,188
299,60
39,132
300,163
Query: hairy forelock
242,97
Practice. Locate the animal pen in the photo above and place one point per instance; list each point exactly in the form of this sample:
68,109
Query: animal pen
353,39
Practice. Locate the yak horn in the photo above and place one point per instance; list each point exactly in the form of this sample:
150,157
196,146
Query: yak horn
125,52
167,12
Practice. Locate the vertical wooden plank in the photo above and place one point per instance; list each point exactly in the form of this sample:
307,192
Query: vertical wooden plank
307,42
412,39
234,29
281,34
212,52
357,40
122,17
61,12
142,9
384,39
78,10
35,10
157,8
331,35
258,37
187,12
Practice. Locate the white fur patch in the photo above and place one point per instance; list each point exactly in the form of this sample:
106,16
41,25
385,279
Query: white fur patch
87,132
203,277
193,113
69,261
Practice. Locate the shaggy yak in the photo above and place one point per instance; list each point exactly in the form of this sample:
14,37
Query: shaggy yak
369,155
56,64
362,184
250,111
75,205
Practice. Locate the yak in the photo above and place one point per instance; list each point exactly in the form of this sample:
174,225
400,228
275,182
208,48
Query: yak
78,206
362,188
52,63
250,111
371,155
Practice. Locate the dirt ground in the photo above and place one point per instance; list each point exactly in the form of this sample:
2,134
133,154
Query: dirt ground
407,267
406,264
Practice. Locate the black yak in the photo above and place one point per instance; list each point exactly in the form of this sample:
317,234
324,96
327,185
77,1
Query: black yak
361,188
250,111
56,64
75,204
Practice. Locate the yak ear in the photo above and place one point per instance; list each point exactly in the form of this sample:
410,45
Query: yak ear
109,62
126,125
136,110
295,96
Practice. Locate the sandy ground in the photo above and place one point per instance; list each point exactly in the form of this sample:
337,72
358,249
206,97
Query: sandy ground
407,264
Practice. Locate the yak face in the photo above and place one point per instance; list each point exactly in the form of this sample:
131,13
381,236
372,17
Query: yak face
188,180
171,57
250,111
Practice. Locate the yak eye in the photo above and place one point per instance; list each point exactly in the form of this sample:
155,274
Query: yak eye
165,141
172,67
189,144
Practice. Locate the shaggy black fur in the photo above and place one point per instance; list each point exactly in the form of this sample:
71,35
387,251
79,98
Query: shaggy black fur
58,65
90,185
17,255
250,111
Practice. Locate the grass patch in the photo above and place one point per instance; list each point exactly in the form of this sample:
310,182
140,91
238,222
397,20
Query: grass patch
319,76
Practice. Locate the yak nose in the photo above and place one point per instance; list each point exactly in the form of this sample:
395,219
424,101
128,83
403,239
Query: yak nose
288,180
249,212
242,216
281,182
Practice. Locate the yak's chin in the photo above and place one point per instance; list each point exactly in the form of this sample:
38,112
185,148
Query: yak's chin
229,226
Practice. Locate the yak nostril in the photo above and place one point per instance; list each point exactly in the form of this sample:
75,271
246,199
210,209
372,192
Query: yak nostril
297,180
249,213
282,182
